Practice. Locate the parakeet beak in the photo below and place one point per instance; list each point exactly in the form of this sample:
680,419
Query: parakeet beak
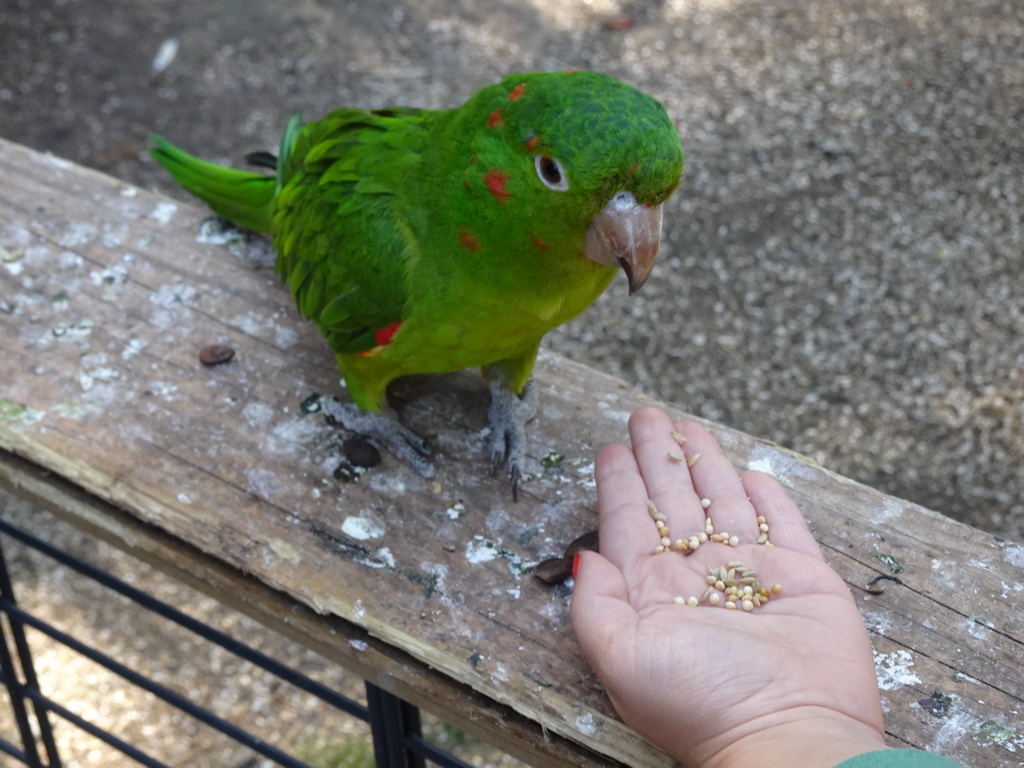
626,234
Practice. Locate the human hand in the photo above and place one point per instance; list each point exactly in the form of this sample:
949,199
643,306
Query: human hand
791,682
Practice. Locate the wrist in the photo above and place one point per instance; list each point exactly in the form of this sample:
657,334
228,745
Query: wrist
810,742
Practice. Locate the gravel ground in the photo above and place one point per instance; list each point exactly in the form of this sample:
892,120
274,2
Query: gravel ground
841,271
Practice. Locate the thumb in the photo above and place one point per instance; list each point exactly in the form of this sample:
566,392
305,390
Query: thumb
600,612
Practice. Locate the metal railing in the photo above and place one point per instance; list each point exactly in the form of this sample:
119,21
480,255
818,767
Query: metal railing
398,740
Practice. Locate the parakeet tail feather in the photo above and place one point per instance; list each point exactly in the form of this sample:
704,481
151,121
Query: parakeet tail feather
243,197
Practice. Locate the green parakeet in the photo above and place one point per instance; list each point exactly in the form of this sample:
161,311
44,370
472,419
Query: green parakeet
422,241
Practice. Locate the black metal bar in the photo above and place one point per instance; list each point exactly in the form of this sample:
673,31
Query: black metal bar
397,720
106,737
205,631
16,693
433,753
31,679
7,748
173,698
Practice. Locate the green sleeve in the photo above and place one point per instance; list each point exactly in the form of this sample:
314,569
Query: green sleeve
898,758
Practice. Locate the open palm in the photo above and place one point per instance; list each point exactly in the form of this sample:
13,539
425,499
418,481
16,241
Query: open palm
710,684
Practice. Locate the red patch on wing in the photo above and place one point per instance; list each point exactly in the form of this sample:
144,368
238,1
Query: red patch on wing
496,120
517,92
468,241
540,244
384,336
495,180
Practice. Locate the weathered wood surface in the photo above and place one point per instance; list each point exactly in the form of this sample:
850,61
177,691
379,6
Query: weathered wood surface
106,297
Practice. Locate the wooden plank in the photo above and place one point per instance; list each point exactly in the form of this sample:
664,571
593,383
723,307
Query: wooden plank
336,639
107,298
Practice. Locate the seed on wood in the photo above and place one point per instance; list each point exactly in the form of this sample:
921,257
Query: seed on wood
693,459
554,570
215,354
346,472
361,452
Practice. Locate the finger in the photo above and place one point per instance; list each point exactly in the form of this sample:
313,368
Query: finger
627,532
716,480
600,613
787,527
662,464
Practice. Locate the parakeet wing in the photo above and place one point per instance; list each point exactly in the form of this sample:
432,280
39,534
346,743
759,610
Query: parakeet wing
342,240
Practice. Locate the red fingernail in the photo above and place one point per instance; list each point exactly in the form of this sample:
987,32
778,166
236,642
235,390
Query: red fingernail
576,565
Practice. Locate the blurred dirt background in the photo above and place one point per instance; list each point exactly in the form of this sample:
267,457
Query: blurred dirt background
841,271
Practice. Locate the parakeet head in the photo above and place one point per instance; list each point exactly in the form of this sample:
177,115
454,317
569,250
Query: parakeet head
582,159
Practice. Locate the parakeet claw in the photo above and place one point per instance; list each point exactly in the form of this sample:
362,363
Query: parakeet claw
508,414
403,442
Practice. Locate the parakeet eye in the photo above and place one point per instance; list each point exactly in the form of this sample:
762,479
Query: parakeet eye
550,172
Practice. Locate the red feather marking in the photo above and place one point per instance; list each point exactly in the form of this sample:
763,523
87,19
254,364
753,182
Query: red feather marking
531,143
468,241
540,244
495,180
384,336
517,92
496,120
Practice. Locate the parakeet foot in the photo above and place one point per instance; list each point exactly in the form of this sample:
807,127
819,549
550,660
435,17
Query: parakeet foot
403,442
508,414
